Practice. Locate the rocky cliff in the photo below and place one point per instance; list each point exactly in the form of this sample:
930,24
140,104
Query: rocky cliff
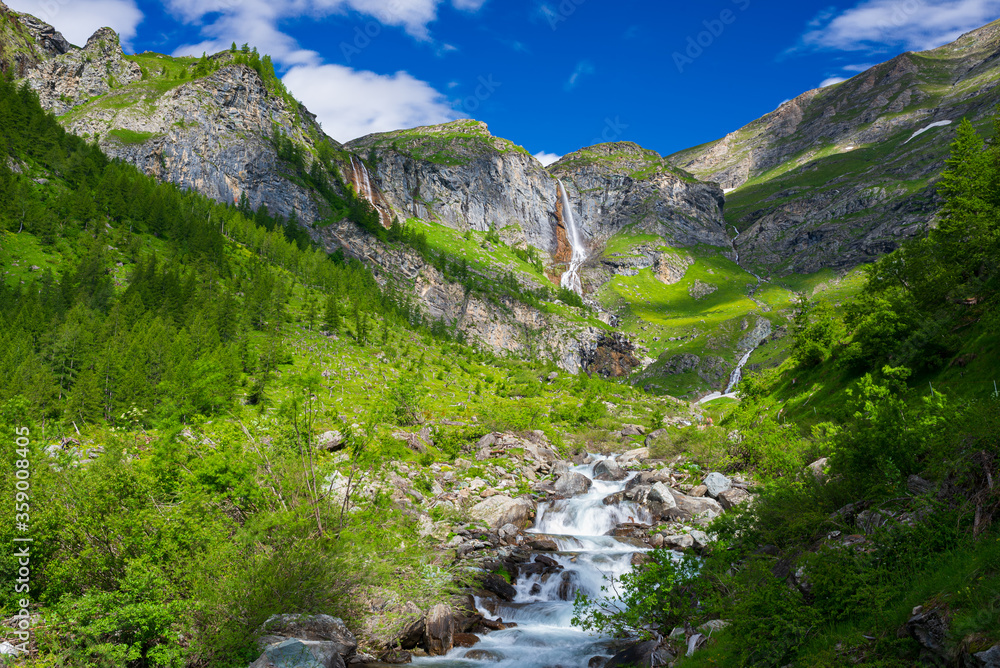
839,176
212,133
460,176
26,41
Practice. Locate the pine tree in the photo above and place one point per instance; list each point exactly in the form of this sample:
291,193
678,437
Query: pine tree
331,319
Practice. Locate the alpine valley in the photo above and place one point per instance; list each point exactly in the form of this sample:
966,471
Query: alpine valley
420,382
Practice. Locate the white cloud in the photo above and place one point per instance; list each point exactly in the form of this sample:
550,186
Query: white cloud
77,20
351,104
583,68
860,67
547,158
831,81
912,24
236,18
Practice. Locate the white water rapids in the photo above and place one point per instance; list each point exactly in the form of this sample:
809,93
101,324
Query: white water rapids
543,608
571,279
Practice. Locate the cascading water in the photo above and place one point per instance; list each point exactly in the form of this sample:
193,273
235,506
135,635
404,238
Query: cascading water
571,279
543,608
364,184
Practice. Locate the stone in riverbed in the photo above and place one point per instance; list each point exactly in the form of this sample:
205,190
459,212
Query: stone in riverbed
439,630
301,654
542,545
608,469
573,483
637,656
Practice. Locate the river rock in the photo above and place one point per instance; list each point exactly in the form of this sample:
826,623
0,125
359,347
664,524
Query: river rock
660,493
700,538
698,491
636,656
307,627
701,510
499,510
988,659
633,430
439,630
300,654
496,584
542,545
717,484
608,469
680,542
573,483
656,540
633,456
733,497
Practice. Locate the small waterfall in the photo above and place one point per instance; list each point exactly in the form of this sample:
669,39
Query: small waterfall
735,249
737,375
571,279
543,607
363,182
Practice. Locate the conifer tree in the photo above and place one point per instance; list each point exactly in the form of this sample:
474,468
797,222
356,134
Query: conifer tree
331,319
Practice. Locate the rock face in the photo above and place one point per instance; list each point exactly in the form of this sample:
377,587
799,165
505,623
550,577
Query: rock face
211,134
81,74
503,325
610,355
854,181
461,176
26,41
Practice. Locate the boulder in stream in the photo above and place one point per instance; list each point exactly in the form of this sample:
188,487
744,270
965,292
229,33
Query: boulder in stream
608,469
439,630
573,483
636,656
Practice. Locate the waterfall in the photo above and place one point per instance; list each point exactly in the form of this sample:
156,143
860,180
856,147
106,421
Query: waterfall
571,279
737,375
588,559
362,180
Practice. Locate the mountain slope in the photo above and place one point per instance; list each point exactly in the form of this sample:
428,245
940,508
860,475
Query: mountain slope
839,176
26,41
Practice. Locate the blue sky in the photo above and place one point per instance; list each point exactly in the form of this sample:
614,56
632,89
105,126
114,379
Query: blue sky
551,75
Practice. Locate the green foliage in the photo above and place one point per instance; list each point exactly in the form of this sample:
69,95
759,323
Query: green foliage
405,399
814,333
657,594
886,439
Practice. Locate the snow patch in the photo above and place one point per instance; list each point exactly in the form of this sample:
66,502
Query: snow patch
929,127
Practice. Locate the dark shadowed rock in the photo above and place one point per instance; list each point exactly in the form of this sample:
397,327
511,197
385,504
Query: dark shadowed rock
636,656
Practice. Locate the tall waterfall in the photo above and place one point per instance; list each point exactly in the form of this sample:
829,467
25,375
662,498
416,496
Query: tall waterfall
571,279
362,180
